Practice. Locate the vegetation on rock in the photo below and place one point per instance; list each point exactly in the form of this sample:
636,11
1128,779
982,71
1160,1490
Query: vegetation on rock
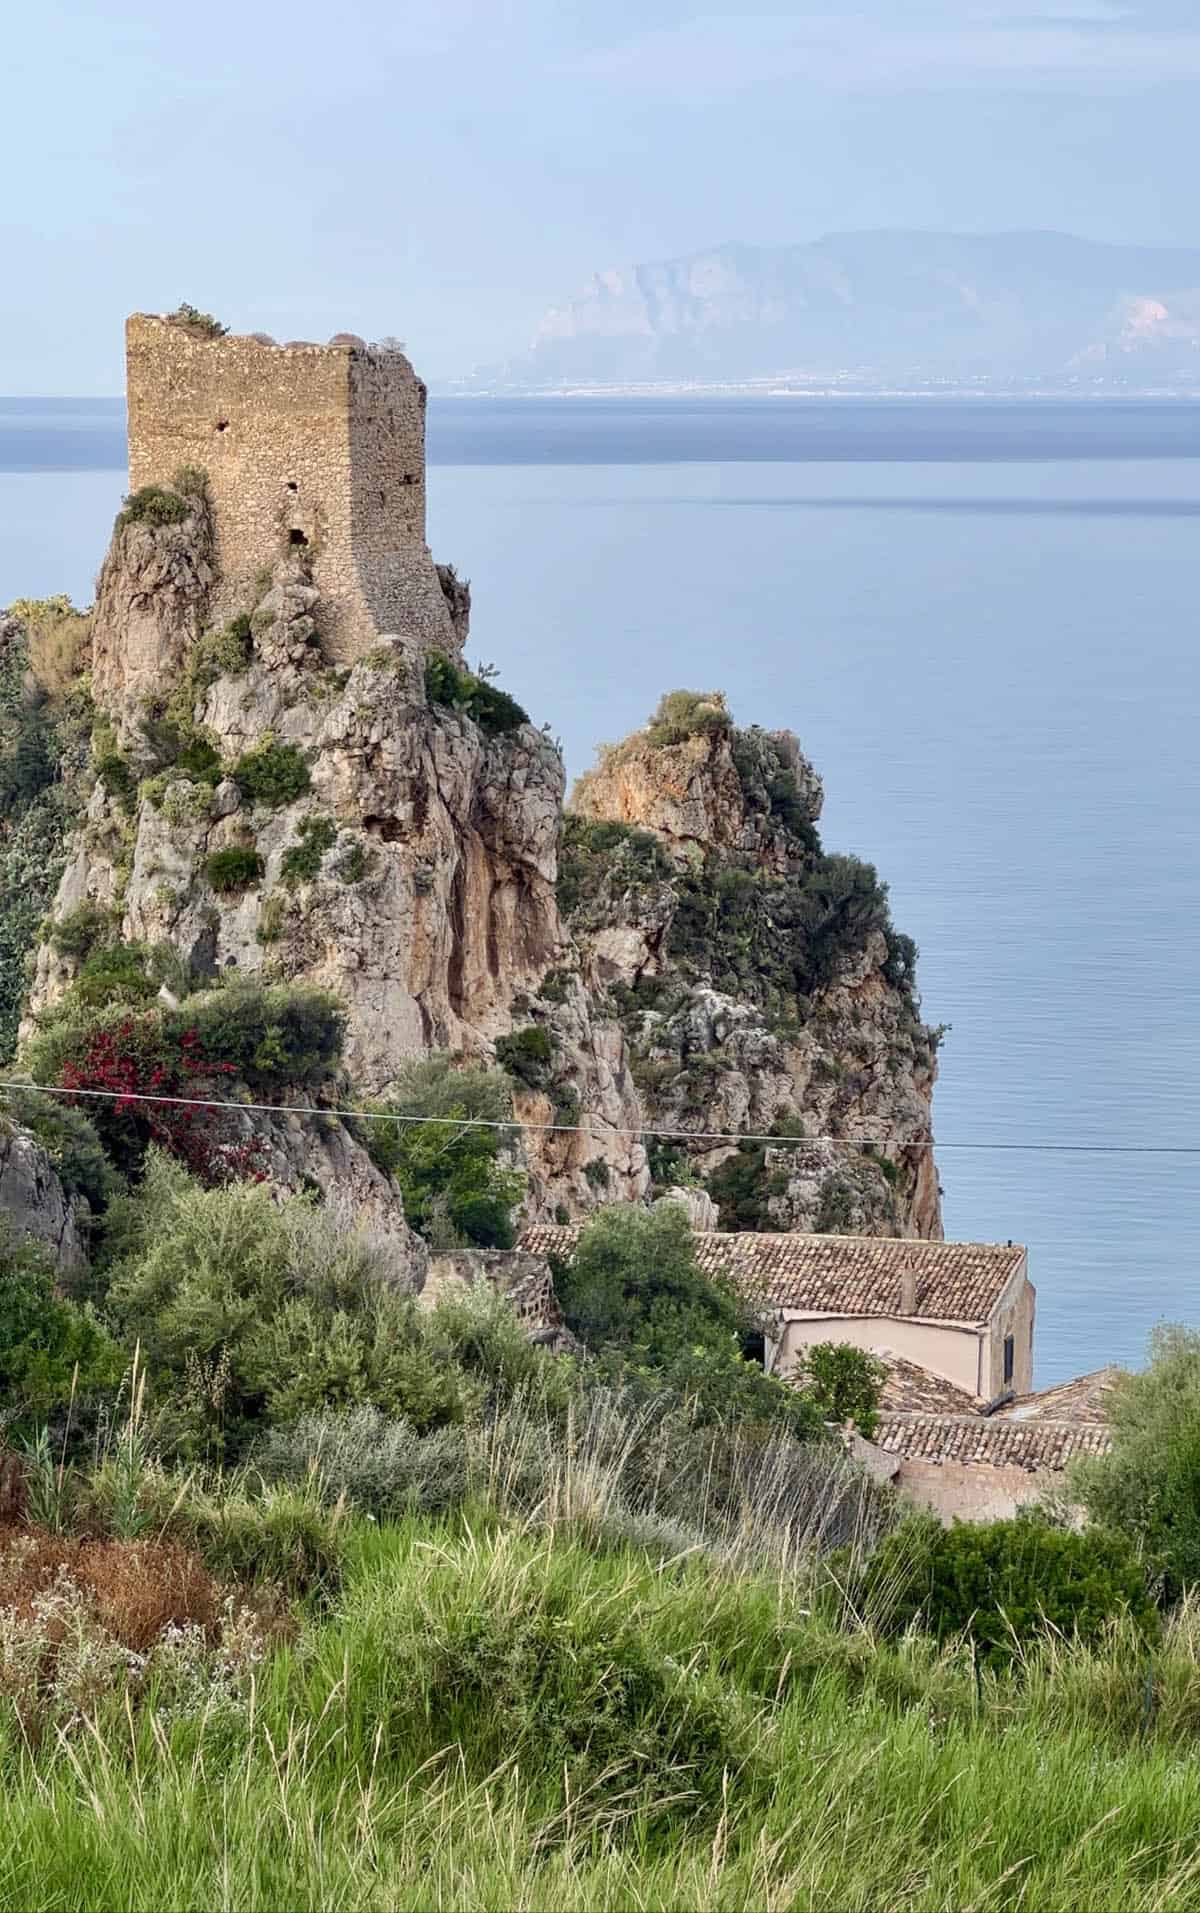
441,1134
473,693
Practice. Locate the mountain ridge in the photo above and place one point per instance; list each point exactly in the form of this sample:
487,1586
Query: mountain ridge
877,306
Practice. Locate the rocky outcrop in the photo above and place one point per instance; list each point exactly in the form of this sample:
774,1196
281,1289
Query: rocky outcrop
33,1201
761,986
676,955
152,601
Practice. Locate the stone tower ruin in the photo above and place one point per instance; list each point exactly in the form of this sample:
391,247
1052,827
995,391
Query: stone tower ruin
310,450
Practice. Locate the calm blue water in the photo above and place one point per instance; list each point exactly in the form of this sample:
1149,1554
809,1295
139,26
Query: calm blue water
980,620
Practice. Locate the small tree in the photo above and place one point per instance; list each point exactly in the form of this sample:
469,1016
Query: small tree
48,1346
1148,1486
634,1293
845,1382
450,1166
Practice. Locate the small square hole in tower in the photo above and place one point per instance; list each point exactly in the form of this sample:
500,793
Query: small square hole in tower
297,538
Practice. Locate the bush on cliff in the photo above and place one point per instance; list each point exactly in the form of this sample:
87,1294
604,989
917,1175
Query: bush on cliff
472,692
272,774
153,505
458,1182
684,714
234,868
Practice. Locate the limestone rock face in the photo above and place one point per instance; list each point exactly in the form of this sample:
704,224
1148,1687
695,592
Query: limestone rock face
33,1201
761,987
711,791
152,602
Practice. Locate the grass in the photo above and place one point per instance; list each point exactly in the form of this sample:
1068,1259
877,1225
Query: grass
424,1747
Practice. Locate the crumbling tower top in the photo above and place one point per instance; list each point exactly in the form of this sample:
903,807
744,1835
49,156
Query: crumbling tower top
320,448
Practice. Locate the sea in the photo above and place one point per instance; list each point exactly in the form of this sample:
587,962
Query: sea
980,618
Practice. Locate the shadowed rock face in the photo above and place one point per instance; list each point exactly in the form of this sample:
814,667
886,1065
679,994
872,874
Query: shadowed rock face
34,1202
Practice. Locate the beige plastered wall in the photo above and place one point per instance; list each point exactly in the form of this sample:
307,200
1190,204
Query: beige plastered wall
952,1350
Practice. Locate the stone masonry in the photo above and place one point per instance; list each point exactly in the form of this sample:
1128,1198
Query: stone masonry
307,449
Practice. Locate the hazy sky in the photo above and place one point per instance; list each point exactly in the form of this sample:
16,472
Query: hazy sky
444,169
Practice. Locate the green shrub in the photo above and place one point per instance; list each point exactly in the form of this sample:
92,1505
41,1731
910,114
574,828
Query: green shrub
234,868
385,1468
153,505
526,1055
272,775
202,324
448,683
1004,1583
684,714
271,1035
602,860
115,774
223,653
597,1172
634,1293
845,1383
352,865
1148,1486
48,1346
301,863
251,1310
113,973
450,1167
76,933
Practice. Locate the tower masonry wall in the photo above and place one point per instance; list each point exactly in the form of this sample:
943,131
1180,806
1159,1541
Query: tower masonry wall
320,448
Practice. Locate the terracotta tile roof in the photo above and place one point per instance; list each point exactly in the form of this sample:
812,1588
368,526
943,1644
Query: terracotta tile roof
912,1390
989,1441
845,1274
1084,1399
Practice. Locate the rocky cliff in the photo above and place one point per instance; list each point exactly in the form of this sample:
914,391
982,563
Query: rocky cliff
674,952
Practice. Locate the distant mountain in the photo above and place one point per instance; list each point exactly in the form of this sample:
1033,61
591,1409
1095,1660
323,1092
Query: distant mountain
877,308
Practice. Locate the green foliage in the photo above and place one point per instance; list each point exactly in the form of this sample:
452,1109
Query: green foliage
457,1183
272,1036
234,868
113,973
597,1172
202,324
495,712
251,1310
353,864
1003,1583
1148,1486
43,1339
526,1055
223,653
774,939
633,1292
153,505
75,934
600,860
741,1185
845,1383
301,863
769,783
684,714
272,774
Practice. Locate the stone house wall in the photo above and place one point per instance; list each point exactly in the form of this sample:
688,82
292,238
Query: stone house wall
971,1491
320,447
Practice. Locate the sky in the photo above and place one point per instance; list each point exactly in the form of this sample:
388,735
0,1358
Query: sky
443,170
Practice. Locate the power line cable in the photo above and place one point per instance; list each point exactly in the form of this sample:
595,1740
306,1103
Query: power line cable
613,1129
